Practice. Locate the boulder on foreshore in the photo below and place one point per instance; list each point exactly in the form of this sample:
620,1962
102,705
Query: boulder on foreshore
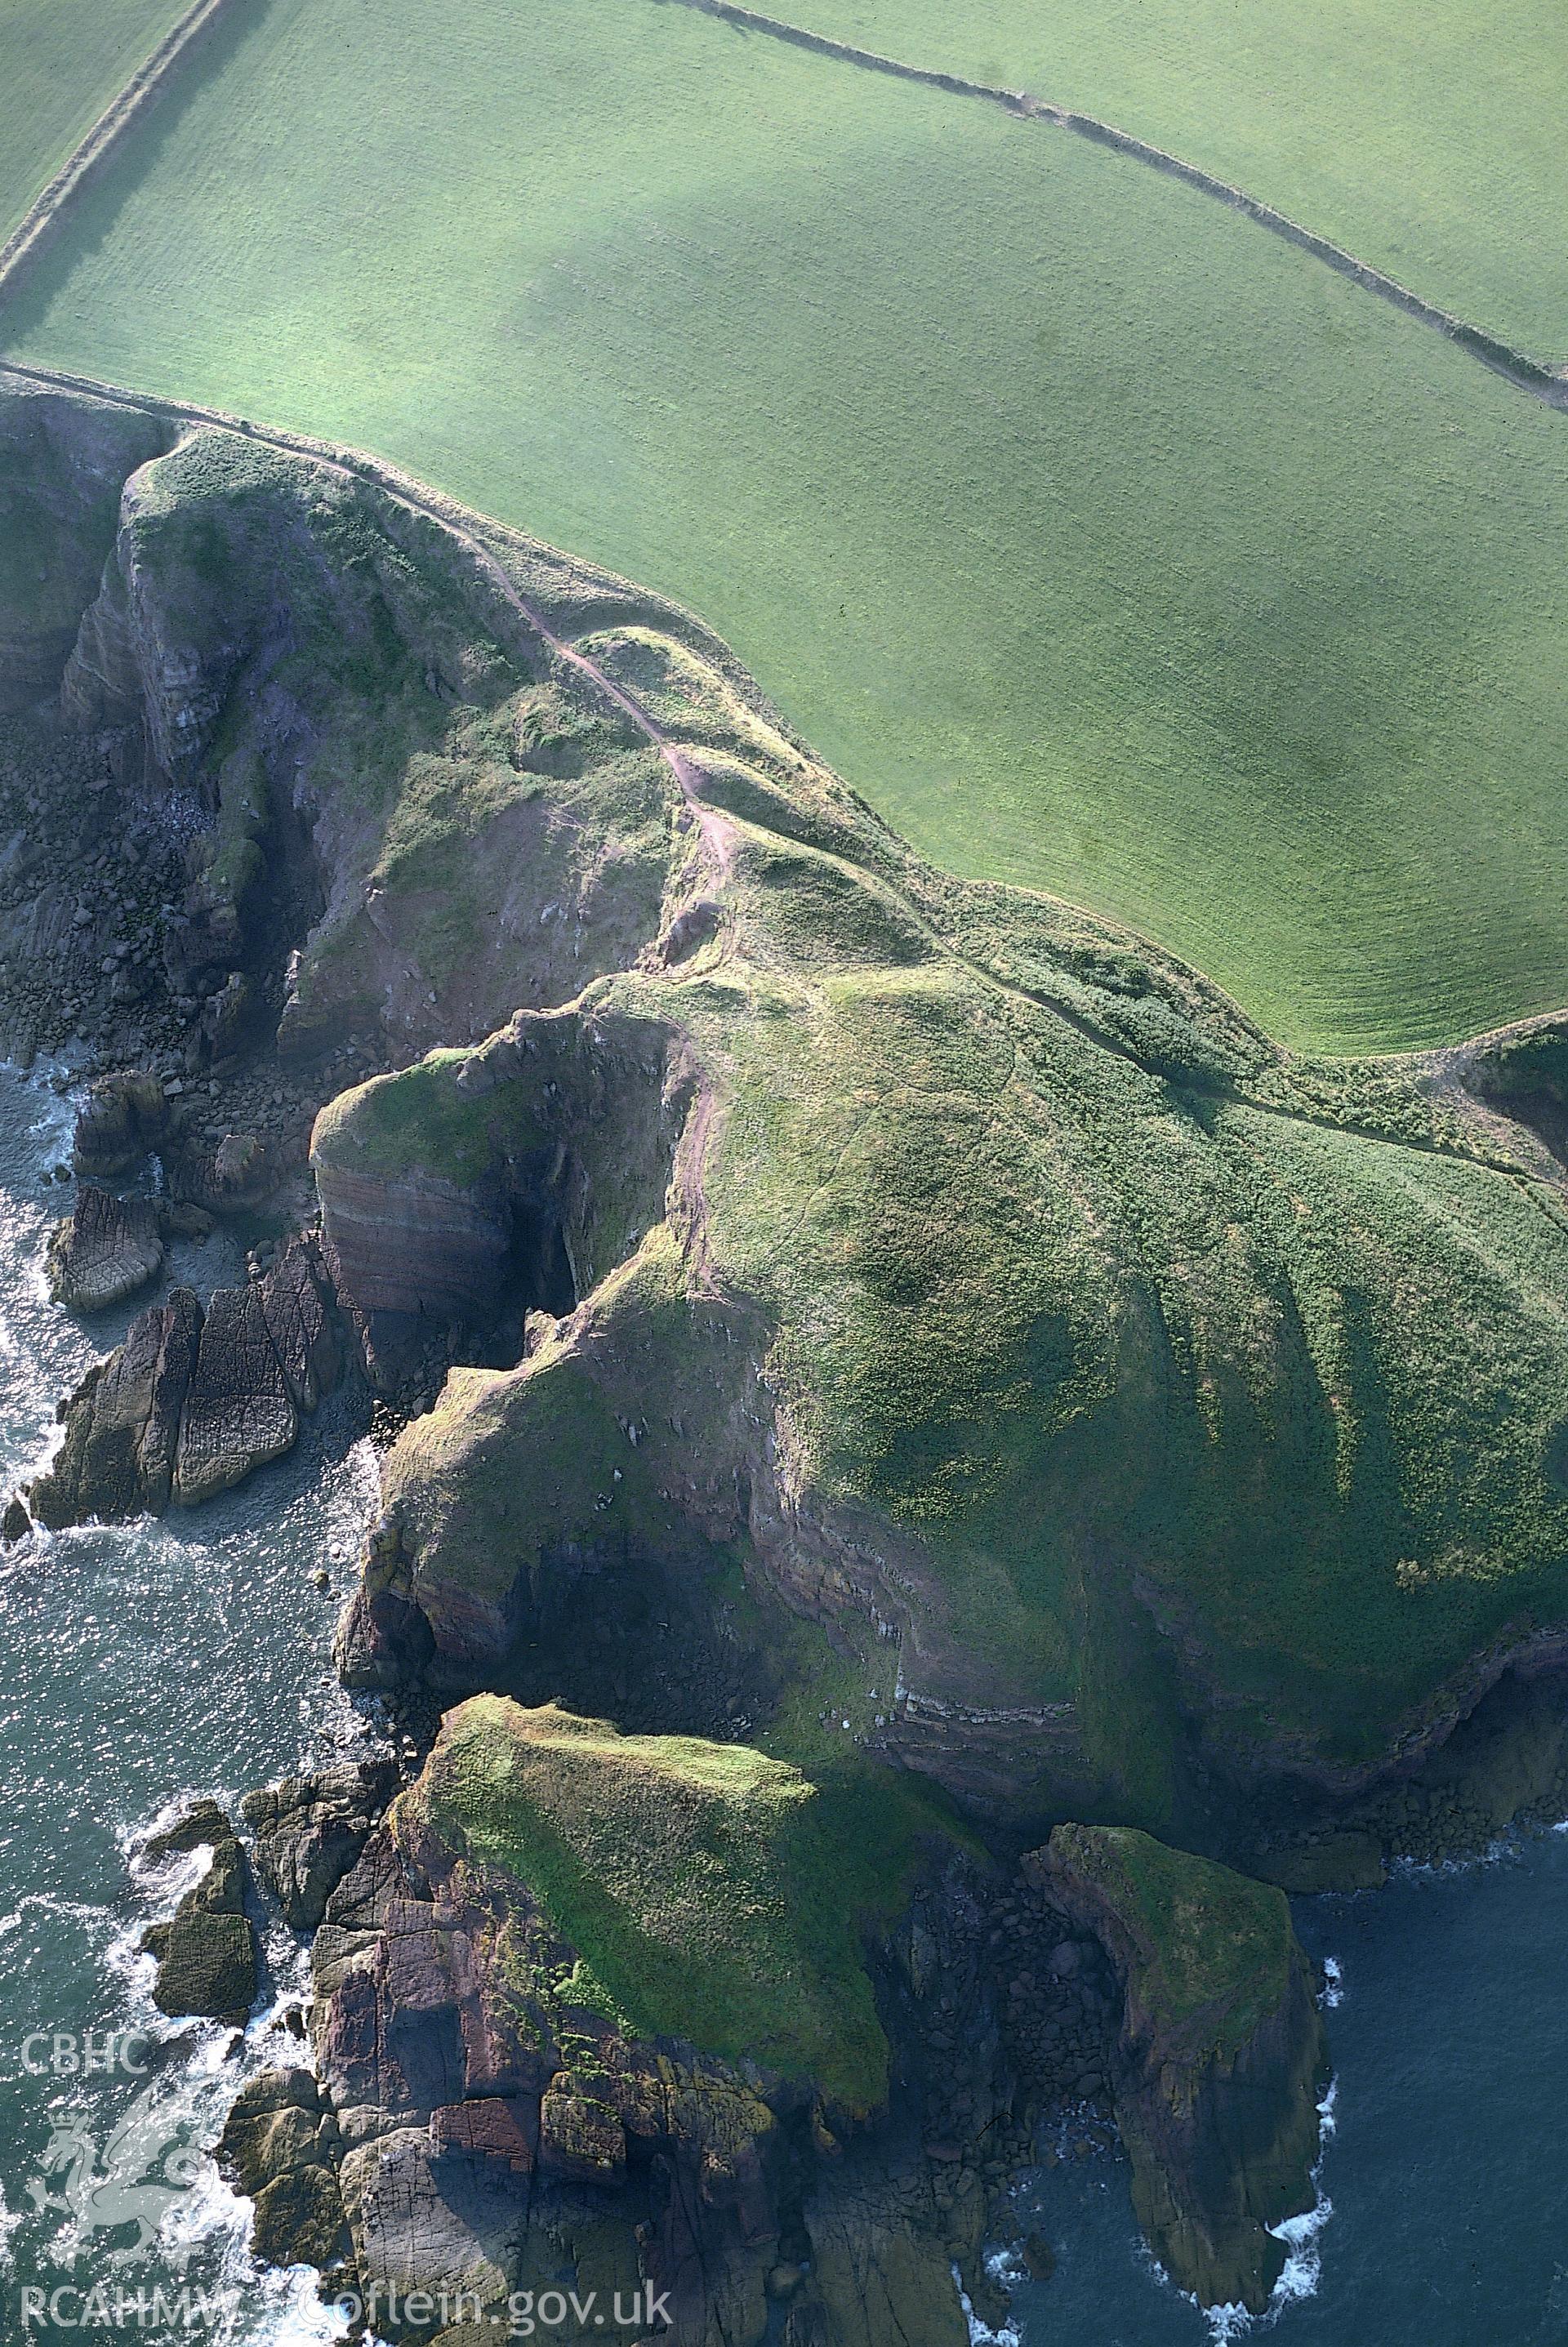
311,1829
1221,2058
230,1178
105,1251
206,1955
192,1401
206,1964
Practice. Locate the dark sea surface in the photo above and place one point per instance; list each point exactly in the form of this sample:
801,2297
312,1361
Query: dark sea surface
1445,2165
146,1662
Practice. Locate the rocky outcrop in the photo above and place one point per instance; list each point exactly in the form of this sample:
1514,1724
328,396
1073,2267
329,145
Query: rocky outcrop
280,2147
192,1401
206,1961
499,2122
123,1121
310,1830
1222,2056
122,1423
106,1250
476,2114
296,1301
238,1412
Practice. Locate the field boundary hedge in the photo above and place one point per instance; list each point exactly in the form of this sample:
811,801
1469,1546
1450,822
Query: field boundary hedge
1545,382
44,217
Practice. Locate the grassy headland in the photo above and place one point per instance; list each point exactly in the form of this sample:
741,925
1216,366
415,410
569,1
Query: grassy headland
711,1891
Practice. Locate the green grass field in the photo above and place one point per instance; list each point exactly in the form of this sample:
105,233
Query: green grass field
1427,138
63,61
1108,544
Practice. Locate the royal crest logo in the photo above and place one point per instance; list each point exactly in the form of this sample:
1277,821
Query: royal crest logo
132,2179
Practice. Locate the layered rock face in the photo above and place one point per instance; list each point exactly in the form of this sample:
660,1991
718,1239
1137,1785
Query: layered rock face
546,1154
107,1249
63,460
192,1401
1222,2055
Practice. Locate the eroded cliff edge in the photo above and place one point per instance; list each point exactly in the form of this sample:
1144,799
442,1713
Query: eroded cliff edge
1223,2054
822,1275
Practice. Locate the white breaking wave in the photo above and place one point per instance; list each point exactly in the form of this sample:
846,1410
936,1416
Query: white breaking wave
11,2221
263,2307
980,2333
1302,2237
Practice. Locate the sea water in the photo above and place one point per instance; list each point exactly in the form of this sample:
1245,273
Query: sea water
143,1663
1443,2180
139,1665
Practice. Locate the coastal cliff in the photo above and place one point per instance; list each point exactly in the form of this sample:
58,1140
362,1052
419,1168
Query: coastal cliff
906,1339
597,2000
1223,2053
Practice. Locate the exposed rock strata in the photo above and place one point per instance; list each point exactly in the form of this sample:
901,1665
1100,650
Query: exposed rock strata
555,1155
192,1401
63,464
108,1248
